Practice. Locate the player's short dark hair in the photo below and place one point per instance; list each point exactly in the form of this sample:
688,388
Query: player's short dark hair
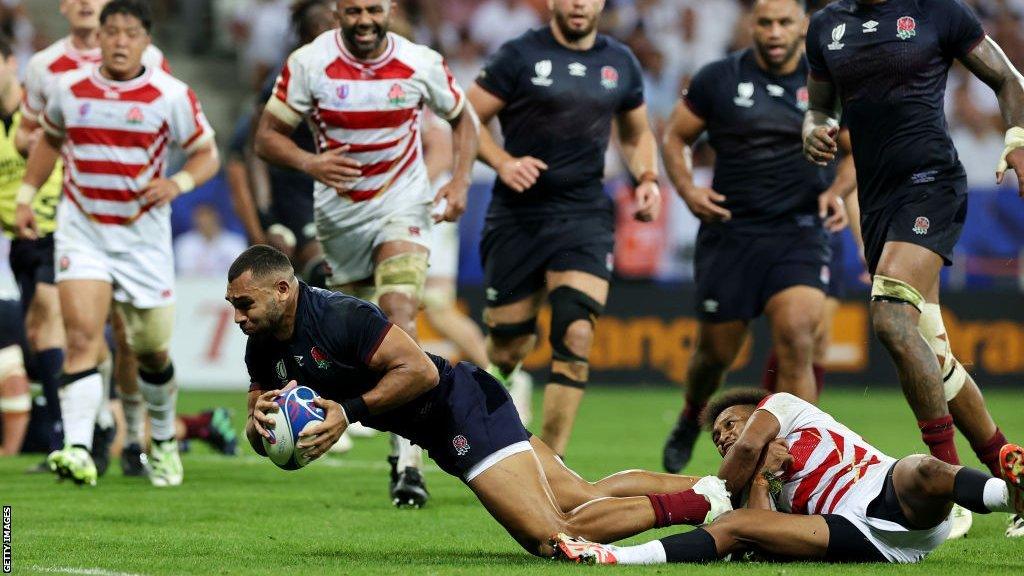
137,8
262,260
6,48
735,397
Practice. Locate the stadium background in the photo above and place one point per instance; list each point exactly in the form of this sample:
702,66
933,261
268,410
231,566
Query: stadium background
224,48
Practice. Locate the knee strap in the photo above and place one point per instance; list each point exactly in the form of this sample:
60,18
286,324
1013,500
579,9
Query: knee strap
403,274
12,362
514,330
932,329
567,306
887,289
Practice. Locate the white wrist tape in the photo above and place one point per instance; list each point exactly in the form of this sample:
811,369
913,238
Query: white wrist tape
186,183
1014,139
26,193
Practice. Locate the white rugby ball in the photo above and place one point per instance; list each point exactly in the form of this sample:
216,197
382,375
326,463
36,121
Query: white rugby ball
295,412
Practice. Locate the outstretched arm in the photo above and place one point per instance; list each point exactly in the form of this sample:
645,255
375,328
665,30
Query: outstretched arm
988,62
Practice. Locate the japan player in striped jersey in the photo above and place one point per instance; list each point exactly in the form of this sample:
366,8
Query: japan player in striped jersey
819,491
114,124
32,258
363,89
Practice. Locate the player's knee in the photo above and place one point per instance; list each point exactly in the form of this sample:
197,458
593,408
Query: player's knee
401,309
153,362
81,342
573,314
403,274
508,343
796,336
929,475
709,360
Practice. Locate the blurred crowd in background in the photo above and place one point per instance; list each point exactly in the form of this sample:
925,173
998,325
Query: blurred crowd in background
671,38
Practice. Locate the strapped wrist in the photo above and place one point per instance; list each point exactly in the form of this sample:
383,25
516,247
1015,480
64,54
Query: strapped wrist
26,193
185,182
355,409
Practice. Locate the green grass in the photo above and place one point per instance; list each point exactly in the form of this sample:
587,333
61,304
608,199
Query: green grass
244,516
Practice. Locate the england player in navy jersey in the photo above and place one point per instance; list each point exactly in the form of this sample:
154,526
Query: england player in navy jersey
549,231
367,370
884,64
763,242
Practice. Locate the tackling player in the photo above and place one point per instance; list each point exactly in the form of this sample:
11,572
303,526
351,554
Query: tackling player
114,124
840,499
556,92
763,241
885,64
366,370
363,89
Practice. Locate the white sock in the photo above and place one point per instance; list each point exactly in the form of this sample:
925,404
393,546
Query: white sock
997,496
409,455
134,417
79,406
106,416
652,552
161,400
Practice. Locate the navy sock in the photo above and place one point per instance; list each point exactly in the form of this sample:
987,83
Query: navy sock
47,369
693,546
969,489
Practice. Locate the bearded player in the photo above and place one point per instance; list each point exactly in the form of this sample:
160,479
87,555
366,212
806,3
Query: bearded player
839,498
885,65
363,89
114,124
549,233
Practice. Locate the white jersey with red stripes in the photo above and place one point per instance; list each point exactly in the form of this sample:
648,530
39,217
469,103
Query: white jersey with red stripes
116,138
48,64
374,107
829,459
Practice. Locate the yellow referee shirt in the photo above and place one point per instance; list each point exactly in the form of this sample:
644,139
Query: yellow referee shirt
12,170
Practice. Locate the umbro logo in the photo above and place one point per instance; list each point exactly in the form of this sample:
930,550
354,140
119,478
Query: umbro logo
775,91
869,27
577,69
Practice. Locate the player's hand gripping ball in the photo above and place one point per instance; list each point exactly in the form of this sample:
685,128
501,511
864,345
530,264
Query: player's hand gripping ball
296,411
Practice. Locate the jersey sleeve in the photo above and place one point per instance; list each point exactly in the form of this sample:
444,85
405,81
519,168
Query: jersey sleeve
34,97
52,116
815,57
256,362
189,126
444,96
499,74
960,30
787,409
291,98
634,94
699,96
357,330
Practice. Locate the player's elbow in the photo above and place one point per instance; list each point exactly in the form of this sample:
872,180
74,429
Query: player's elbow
427,375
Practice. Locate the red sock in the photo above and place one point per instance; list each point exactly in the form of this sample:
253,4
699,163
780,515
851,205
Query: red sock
938,435
819,377
988,452
679,508
770,377
692,410
198,426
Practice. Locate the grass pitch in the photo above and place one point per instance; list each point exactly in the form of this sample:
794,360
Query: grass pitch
244,516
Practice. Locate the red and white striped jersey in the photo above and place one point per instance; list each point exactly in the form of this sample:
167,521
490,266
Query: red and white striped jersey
116,139
373,107
48,64
828,458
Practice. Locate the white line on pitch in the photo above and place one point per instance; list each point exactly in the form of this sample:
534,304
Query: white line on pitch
83,571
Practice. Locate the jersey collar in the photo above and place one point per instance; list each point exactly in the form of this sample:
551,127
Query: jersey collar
91,55
377,62
122,86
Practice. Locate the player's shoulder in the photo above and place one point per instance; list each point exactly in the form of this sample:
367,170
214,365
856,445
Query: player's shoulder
785,405
413,54
42,59
72,78
169,85
615,46
321,49
727,65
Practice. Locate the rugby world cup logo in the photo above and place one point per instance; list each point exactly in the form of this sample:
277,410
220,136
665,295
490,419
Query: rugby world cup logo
461,445
542,70
906,28
282,371
837,34
921,225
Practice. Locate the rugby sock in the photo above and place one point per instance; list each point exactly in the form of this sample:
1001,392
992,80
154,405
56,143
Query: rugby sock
48,368
938,435
105,419
198,426
161,394
693,546
80,398
819,377
652,552
981,493
691,410
409,456
686,507
134,417
770,378
988,452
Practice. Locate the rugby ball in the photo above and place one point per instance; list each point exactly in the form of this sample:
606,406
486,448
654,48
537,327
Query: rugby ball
295,412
